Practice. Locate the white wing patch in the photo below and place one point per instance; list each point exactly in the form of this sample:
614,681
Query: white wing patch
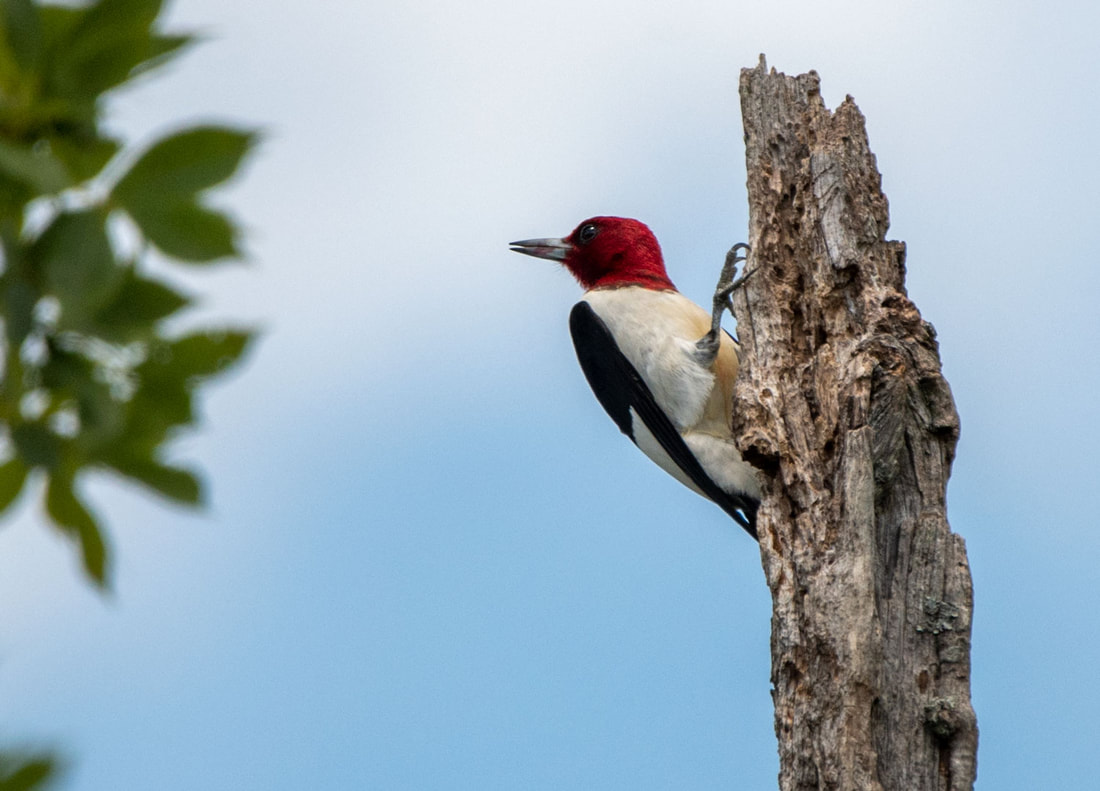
723,463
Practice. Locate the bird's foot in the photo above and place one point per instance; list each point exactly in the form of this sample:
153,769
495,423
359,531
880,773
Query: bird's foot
706,348
728,282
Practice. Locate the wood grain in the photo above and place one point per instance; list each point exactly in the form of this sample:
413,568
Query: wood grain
842,404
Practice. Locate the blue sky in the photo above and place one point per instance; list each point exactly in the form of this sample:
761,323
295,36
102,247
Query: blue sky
431,561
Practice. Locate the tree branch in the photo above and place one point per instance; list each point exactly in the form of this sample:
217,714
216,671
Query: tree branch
842,404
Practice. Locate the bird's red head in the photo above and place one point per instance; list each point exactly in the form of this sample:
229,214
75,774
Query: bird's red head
606,252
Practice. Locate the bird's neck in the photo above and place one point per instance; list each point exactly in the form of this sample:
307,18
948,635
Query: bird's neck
656,280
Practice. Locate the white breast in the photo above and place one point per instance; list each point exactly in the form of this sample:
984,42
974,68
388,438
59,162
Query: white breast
657,331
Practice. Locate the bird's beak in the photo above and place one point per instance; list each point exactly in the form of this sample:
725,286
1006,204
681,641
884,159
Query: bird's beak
554,249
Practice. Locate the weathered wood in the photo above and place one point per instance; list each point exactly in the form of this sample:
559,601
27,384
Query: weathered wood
842,404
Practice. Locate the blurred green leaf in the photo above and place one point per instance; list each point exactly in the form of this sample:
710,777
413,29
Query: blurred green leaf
96,384
162,50
74,381
93,63
84,157
102,420
66,510
175,483
99,385
169,45
98,47
137,305
162,401
21,31
26,772
158,407
58,22
203,354
14,195
77,263
66,372
37,445
105,15
35,168
13,474
19,299
185,230
182,164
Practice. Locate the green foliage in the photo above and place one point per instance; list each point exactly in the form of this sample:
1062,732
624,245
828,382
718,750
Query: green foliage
26,772
92,377
161,192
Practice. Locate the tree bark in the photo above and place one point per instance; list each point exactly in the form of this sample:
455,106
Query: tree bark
842,405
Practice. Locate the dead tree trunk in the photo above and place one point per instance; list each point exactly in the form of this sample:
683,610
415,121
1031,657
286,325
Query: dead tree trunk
842,405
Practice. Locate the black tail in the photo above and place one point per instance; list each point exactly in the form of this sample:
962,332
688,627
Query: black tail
743,510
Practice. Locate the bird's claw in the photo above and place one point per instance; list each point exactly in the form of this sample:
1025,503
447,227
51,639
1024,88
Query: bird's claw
728,282
706,348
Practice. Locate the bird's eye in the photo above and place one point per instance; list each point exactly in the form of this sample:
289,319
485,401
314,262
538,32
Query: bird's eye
587,233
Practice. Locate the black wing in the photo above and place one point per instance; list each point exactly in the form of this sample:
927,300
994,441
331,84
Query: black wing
619,388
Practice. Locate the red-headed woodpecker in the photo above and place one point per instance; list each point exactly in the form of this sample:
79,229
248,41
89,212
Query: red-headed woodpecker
658,363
